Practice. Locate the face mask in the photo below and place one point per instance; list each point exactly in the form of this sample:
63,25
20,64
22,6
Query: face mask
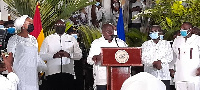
184,32
154,35
75,36
1,26
30,28
60,29
97,4
11,30
161,37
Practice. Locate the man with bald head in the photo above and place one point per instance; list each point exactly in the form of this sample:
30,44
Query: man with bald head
187,50
107,40
60,50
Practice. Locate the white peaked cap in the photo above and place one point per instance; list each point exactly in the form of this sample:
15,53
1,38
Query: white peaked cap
20,21
143,81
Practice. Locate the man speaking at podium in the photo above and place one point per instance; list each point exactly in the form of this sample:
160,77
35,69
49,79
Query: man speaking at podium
94,57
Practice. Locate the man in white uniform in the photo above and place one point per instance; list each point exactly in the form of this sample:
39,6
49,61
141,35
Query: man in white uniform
156,56
100,79
10,82
60,50
187,49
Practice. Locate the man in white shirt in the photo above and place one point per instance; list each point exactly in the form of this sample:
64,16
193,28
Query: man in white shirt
60,50
100,79
156,56
10,82
137,6
187,49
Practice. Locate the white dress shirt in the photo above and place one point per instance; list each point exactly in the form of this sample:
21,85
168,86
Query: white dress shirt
153,52
53,44
187,53
137,3
27,62
10,82
99,71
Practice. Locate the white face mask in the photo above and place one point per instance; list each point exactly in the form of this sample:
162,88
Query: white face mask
1,26
161,37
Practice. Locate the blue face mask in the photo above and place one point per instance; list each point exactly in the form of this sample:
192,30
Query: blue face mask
97,4
1,26
184,32
75,36
11,30
161,37
154,35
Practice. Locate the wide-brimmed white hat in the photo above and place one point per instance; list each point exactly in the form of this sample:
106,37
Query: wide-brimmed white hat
143,81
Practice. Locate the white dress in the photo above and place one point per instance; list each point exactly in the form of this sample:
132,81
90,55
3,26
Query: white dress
26,61
10,82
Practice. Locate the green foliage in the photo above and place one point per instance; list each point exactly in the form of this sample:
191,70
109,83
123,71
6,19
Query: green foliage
135,38
170,14
88,34
51,10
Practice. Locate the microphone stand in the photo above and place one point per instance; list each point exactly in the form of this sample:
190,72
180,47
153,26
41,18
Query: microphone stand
115,37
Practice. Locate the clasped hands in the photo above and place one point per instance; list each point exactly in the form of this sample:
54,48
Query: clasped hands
61,53
157,64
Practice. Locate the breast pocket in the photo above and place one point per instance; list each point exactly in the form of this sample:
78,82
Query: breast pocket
68,46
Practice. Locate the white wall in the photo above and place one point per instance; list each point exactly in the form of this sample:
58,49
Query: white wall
4,12
107,5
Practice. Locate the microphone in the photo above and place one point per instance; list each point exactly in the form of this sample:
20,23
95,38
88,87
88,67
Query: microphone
114,36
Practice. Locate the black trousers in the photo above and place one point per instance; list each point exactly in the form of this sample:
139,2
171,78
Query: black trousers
59,81
134,25
167,84
101,87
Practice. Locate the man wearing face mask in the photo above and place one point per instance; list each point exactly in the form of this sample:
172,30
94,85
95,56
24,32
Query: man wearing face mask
24,50
1,24
9,25
97,13
156,55
72,32
60,50
187,50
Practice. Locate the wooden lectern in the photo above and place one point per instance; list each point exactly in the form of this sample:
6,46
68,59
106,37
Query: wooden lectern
118,61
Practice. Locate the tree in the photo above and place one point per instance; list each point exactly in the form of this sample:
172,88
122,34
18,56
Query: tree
51,10
170,14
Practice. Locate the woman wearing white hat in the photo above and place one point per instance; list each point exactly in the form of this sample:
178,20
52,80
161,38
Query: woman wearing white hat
24,48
